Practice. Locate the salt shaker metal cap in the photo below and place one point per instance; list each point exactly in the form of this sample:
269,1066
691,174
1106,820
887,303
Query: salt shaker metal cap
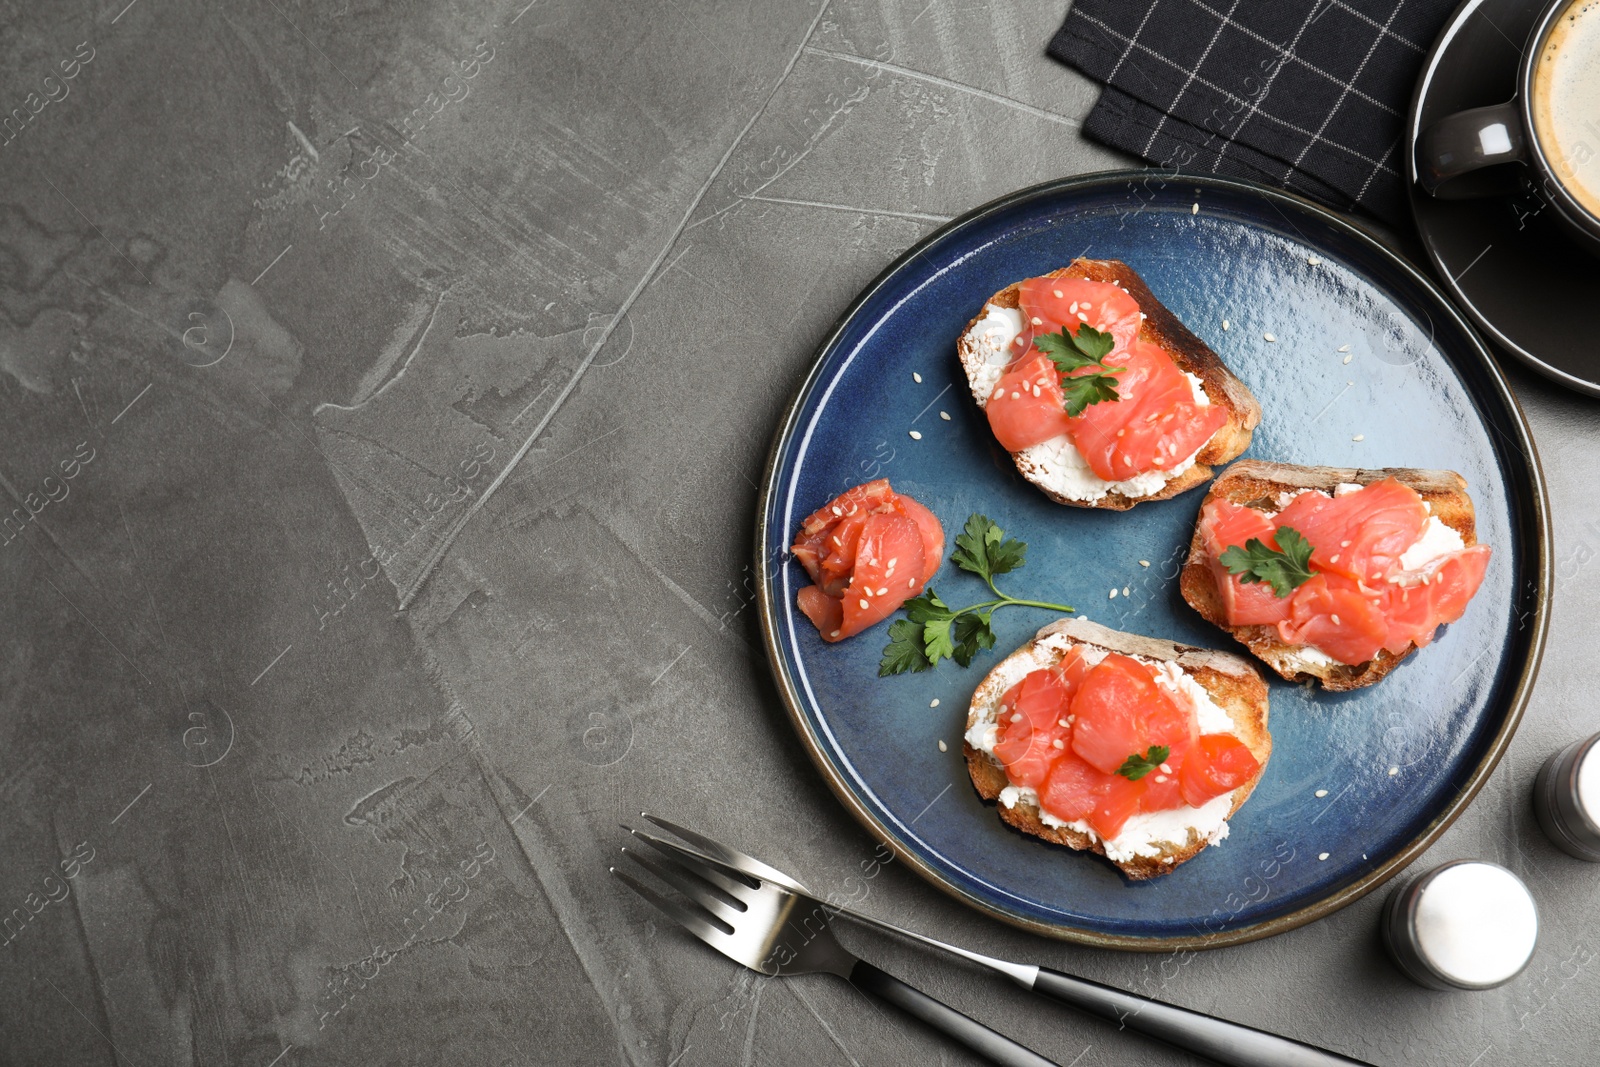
1566,797
1465,925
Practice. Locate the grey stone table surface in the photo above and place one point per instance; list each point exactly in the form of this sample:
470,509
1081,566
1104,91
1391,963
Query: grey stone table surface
385,387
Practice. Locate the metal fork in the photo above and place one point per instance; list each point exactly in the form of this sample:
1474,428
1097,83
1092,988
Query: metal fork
769,928
1219,1040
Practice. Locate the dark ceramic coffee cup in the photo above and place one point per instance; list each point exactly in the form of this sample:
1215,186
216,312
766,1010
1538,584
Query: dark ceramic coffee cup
1524,129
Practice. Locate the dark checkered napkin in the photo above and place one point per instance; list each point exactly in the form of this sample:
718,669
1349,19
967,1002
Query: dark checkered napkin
1310,95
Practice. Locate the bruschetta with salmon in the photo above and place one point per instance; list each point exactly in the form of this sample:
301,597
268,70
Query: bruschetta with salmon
1333,573
1136,748
1103,398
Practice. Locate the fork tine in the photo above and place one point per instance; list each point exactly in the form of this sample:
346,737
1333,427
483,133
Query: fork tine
730,880
684,917
692,887
730,856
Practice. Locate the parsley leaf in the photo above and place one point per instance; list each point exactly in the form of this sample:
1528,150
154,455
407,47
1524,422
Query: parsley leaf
1285,568
1074,352
932,630
973,633
1136,766
982,548
904,651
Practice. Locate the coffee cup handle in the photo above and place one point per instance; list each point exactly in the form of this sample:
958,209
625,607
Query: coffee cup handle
1468,141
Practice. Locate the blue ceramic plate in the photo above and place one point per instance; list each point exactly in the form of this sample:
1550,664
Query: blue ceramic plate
1359,783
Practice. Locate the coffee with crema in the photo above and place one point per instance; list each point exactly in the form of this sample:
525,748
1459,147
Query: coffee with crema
1566,102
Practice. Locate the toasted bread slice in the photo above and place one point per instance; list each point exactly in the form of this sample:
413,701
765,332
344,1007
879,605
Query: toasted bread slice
1257,483
1160,327
1231,682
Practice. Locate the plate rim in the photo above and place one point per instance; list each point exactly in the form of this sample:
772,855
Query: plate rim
1414,198
789,693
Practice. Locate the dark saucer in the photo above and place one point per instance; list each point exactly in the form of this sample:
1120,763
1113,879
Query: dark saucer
1503,259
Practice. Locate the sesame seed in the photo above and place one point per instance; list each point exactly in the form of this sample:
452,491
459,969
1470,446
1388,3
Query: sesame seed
1072,308
1393,771
945,415
1314,261
915,435
1017,717
1113,595
1125,591
1144,563
1336,621
1349,383
1037,321
1057,292
892,561
865,605
1082,317
1344,348
833,633
1359,437
1224,324
1322,792
1063,723
1322,855
836,511
1158,461
916,377
1335,559
1161,777
883,592
1035,390
933,703
1194,210
1344,544
911,583
1058,743
1016,396
943,747
1269,337
1347,359
1166,768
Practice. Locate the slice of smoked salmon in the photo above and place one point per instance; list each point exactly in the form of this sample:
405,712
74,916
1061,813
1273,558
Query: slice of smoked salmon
825,612
1072,788
1334,614
868,550
1362,534
1120,711
1419,602
932,534
1072,302
1218,764
888,572
1027,406
1032,732
1223,525
1117,803
1163,789
1155,422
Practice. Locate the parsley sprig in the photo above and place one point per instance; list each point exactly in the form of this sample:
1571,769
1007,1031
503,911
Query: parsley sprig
932,630
1285,568
1089,347
1136,766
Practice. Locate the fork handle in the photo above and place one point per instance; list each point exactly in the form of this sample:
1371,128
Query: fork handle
941,1016
1217,1039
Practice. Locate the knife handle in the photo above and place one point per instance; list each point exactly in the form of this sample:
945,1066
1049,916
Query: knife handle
1217,1039
990,1044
